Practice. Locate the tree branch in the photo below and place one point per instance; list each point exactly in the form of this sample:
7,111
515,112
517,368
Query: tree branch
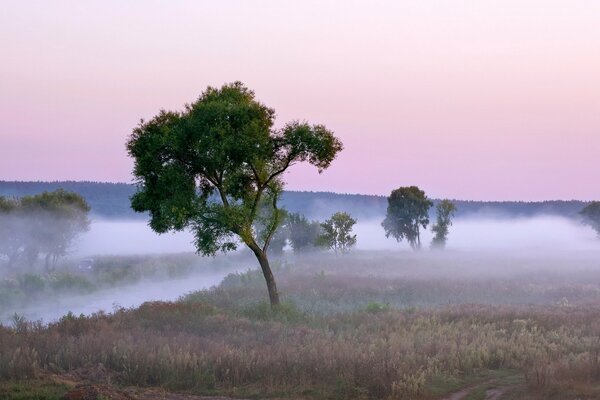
274,225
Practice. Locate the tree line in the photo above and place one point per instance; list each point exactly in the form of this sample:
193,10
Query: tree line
111,201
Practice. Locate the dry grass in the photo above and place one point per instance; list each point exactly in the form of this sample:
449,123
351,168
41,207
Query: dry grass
334,338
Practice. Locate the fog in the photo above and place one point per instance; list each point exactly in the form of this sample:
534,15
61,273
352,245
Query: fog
476,247
541,233
122,296
130,237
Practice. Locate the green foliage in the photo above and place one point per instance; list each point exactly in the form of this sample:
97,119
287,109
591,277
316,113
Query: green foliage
216,167
286,312
374,307
264,224
407,211
65,282
303,234
445,210
337,233
211,165
32,390
591,215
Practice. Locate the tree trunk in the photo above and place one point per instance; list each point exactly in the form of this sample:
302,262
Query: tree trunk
268,274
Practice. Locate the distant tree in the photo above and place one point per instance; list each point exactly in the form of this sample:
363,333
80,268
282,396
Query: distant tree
45,223
279,241
302,233
337,233
407,211
58,218
445,210
12,240
591,215
212,165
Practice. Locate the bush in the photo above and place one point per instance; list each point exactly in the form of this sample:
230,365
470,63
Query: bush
31,284
70,283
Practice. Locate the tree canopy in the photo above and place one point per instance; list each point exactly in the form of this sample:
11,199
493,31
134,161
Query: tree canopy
337,233
217,164
407,211
302,233
591,215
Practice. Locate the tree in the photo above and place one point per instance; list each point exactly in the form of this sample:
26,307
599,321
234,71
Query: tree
58,218
302,233
591,215
407,211
337,232
280,237
46,223
11,232
445,210
214,165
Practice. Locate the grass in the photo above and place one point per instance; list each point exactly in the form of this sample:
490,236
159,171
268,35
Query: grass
32,390
346,330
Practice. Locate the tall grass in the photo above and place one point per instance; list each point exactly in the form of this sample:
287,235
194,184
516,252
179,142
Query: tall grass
339,335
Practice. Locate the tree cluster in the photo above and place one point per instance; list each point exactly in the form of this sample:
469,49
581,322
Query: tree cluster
306,236
45,225
408,212
337,233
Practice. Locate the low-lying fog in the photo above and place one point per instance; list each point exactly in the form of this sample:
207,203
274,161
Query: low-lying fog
473,243
122,296
477,234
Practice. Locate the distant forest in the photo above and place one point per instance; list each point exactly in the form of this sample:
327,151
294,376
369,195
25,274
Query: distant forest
111,200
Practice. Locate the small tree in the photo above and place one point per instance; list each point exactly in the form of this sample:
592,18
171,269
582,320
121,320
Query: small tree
302,233
591,215
445,210
407,211
337,233
214,165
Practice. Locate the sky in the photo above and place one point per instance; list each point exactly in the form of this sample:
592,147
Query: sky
482,100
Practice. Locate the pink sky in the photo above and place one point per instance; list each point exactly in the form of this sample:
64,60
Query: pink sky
467,99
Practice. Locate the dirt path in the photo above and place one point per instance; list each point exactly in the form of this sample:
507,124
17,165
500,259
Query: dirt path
498,393
494,393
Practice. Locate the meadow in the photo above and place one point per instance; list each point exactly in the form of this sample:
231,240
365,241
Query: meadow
370,325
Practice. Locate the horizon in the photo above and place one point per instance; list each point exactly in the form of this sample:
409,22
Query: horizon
312,191
492,101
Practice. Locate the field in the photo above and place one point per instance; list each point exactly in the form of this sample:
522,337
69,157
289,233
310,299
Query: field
372,325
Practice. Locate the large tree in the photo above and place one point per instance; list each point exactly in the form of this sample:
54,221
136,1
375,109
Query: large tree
445,210
591,215
216,167
407,211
